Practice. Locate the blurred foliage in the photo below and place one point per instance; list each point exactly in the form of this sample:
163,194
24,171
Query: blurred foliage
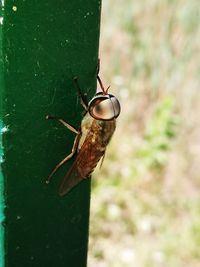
145,208
157,139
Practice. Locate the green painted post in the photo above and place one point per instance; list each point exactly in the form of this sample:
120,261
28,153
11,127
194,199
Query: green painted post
43,45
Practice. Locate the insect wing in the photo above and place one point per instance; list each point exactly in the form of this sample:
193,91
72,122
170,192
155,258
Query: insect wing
71,179
83,166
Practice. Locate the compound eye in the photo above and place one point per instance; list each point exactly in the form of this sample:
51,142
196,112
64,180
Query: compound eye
116,105
104,108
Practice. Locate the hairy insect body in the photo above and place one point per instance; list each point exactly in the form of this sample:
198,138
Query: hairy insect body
97,128
86,125
94,141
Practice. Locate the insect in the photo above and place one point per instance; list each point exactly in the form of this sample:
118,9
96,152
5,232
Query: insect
92,138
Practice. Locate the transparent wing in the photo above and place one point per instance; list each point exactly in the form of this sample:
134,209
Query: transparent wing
84,164
71,179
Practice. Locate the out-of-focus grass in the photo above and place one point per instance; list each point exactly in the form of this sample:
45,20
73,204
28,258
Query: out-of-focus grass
145,208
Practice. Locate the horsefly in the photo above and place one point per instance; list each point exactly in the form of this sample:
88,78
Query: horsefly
92,138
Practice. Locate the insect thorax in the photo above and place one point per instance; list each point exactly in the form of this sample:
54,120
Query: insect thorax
96,131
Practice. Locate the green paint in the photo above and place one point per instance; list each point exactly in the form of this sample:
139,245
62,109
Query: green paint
2,205
45,44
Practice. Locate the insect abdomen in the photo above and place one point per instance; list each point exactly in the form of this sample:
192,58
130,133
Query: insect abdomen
94,145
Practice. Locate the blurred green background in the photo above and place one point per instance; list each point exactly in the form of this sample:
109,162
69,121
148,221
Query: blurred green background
145,208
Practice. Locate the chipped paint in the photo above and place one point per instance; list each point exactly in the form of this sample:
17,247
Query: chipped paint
14,8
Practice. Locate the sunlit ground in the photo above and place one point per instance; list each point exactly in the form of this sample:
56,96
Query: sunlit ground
145,206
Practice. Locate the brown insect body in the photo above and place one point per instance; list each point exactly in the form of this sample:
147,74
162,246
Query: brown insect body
93,143
95,136
97,128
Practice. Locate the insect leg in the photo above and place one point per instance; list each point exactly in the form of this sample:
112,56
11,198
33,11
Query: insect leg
66,124
98,78
102,159
74,148
98,66
83,99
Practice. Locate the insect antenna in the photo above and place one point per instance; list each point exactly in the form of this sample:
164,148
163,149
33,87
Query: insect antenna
105,91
